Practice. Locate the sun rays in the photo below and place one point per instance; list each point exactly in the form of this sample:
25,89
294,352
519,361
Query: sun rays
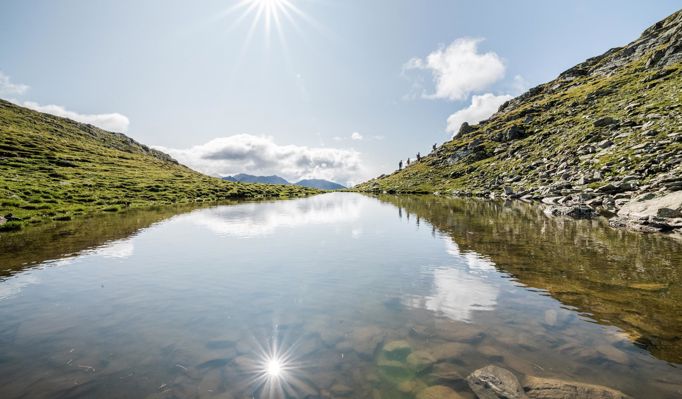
270,14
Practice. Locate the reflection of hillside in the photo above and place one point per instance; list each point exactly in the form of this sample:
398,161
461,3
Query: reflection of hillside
33,245
626,279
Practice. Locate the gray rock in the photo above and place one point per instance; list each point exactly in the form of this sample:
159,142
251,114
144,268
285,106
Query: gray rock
546,388
492,382
605,121
464,129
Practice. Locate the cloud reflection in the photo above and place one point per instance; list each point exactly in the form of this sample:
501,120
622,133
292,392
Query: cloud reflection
253,220
459,291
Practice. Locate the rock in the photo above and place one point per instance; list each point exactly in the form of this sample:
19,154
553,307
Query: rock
450,350
508,190
366,339
438,392
420,360
605,144
514,133
574,211
546,388
605,121
2,220
464,129
397,350
492,382
662,212
446,372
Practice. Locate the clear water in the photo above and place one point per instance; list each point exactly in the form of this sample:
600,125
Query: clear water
298,298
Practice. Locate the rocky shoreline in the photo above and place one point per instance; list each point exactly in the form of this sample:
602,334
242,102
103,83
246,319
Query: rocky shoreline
652,208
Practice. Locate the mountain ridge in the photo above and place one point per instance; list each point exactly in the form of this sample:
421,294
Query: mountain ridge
602,134
53,169
320,184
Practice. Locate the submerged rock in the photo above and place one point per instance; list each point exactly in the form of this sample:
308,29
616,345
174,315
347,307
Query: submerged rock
438,392
420,360
547,388
492,382
397,350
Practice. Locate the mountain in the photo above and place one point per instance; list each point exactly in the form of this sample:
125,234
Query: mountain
53,168
603,134
244,178
320,184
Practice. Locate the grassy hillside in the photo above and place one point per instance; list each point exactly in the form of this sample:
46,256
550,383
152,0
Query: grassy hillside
615,119
53,168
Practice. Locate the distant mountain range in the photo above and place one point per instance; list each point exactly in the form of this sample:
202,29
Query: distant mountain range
319,184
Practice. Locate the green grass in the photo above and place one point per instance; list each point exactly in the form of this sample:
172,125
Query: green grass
559,121
53,168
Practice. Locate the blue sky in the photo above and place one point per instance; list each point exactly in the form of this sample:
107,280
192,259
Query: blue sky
193,80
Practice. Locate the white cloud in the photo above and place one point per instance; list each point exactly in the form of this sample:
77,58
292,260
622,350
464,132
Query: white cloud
356,136
260,155
9,88
481,108
114,122
459,69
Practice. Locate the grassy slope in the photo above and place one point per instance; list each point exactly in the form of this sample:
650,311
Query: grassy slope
561,140
55,168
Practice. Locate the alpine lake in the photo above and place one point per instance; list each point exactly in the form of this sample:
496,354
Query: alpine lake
339,295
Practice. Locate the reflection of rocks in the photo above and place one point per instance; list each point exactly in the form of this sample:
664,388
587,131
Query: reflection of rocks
621,278
545,388
492,382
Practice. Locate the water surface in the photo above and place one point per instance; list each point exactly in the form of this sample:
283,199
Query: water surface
298,298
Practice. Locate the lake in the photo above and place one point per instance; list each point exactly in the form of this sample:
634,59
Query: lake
335,296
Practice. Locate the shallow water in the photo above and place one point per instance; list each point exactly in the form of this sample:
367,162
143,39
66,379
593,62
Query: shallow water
298,298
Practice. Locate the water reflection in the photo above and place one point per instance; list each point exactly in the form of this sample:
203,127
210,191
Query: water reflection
456,294
336,296
255,219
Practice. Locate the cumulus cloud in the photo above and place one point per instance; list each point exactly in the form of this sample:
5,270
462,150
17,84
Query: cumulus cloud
260,155
481,108
459,69
356,136
114,122
9,88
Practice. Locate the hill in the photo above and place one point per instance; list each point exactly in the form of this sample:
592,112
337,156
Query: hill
320,184
604,133
53,168
244,178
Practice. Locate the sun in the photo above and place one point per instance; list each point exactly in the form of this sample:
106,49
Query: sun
270,13
273,368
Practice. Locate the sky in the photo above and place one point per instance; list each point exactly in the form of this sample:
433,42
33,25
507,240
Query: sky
333,89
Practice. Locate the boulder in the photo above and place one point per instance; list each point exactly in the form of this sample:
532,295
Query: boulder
438,392
493,382
547,388
661,212
464,129
605,121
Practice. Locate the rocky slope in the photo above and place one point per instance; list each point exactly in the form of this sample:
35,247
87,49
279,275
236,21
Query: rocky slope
53,168
605,133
